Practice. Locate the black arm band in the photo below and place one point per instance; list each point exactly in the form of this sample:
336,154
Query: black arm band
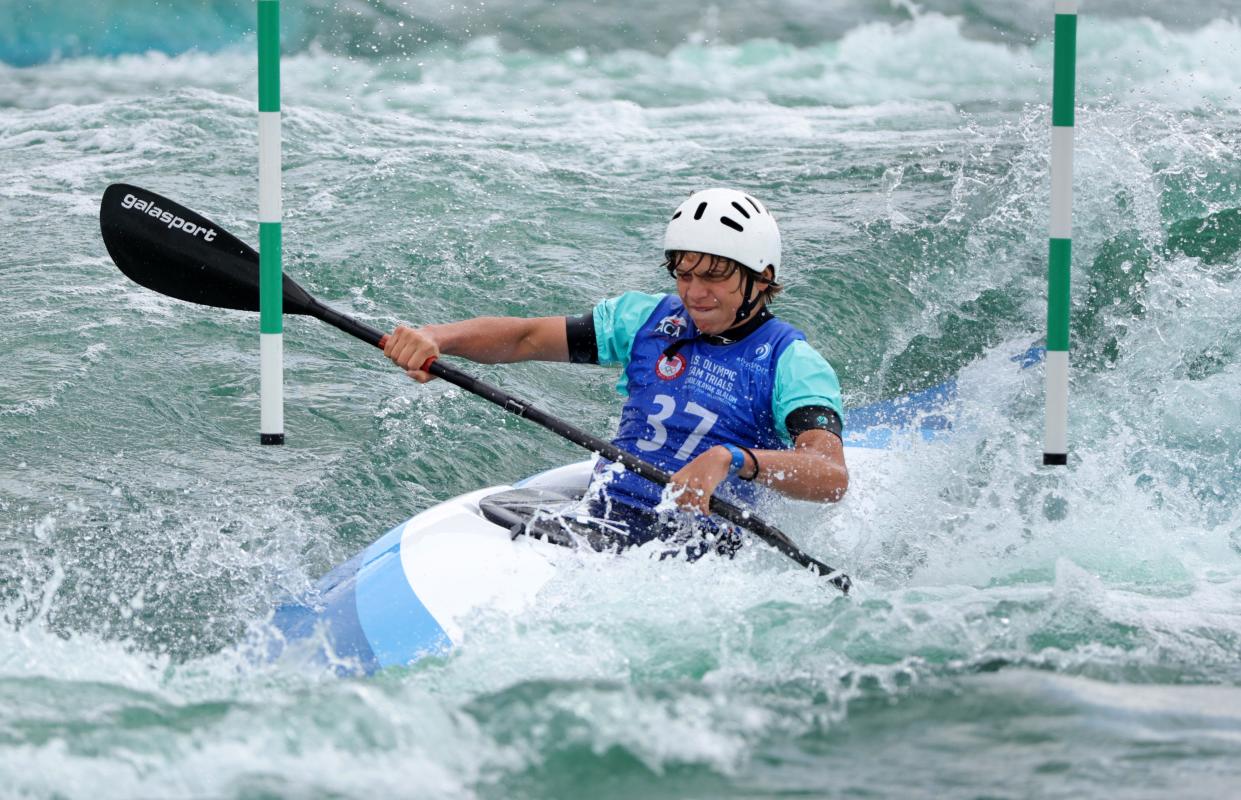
583,347
753,458
808,418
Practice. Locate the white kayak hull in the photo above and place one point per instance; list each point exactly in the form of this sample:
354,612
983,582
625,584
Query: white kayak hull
412,592
408,594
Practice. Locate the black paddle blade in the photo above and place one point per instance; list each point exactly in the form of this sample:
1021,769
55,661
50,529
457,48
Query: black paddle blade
165,246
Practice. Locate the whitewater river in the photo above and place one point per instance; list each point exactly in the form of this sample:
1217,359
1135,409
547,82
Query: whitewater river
1016,631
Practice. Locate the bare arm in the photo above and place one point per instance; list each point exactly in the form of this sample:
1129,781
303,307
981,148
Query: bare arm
486,340
813,470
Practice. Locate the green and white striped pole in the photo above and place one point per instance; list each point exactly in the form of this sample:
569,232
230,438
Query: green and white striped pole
271,324
1060,253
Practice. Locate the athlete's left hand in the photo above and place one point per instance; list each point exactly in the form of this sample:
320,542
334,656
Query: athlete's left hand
694,483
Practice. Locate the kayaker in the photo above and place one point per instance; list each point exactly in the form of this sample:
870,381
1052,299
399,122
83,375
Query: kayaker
720,392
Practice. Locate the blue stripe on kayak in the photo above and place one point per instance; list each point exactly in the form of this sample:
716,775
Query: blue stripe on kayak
396,623
331,606
873,425
369,612
337,614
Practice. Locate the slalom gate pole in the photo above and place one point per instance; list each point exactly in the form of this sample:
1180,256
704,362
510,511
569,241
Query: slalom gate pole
1060,252
271,323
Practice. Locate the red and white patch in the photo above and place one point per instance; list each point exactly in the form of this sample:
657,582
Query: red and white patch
670,368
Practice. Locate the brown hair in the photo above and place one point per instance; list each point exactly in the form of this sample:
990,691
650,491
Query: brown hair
722,267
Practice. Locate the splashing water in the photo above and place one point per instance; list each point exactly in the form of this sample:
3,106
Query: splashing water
1073,631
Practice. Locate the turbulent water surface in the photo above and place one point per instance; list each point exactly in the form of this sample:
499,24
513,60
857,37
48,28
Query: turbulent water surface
1015,631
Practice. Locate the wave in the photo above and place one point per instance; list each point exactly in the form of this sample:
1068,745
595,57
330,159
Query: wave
929,66
42,31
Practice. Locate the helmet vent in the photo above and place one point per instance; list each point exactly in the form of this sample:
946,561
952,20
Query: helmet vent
732,224
701,208
674,216
741,208
751,200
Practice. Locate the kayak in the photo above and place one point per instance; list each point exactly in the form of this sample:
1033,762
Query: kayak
412,592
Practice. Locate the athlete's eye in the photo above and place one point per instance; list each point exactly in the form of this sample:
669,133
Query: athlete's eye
710,276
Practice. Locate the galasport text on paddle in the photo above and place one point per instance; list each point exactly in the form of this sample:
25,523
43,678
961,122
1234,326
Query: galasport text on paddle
166,247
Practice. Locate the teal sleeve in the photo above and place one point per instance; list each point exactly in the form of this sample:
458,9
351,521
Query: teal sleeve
803,378
617,322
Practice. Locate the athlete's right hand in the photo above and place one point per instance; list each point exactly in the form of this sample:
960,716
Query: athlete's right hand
411,348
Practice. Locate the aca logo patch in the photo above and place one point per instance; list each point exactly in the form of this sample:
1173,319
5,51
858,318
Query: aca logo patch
672,326
670,368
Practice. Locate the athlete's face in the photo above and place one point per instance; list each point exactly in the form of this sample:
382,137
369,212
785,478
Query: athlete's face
711,289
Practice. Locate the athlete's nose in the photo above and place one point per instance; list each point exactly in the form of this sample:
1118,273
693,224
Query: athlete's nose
697,289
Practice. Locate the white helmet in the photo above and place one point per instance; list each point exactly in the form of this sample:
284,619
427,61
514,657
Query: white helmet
729,223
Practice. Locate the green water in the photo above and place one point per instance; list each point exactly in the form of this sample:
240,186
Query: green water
1015,631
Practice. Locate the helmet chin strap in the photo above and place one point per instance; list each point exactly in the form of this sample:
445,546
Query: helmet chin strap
747,302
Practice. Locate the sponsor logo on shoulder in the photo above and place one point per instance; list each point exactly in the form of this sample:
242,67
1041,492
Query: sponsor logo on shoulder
670,368
672,326
174,222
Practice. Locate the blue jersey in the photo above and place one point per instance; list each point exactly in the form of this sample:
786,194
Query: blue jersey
702,392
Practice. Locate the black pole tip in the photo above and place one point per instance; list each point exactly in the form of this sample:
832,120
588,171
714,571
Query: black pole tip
271,438
1055,459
